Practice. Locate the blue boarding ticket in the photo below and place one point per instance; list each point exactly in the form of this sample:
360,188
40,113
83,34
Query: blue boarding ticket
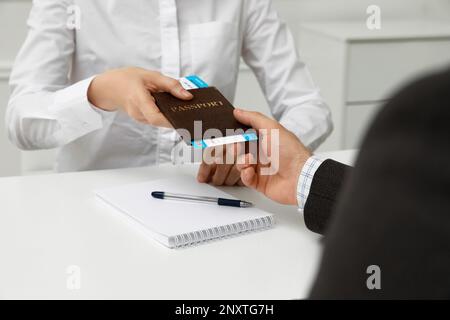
208,143
195,82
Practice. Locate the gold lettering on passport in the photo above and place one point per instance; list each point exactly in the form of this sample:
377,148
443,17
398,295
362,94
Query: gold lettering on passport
196,106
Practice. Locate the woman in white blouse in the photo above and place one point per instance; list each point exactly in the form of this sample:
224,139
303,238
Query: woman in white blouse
70,81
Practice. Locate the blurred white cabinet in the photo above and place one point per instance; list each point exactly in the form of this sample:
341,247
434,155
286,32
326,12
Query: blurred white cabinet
359,69
10,164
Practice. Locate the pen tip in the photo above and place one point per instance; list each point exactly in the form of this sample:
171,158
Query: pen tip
245,204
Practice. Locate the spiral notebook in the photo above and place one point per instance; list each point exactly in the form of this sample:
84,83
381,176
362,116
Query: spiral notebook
177,223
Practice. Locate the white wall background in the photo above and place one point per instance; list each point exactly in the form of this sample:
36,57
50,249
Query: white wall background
295,12
13,14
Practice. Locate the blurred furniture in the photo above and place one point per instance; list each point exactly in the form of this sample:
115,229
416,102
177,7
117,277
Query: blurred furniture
10,156
359,69
49,223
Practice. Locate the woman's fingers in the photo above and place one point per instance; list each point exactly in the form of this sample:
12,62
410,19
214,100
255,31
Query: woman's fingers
147,106
158,82
159,120
136,114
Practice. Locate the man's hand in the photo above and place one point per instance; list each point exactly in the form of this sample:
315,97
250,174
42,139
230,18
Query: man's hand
282,185
130,89
220,167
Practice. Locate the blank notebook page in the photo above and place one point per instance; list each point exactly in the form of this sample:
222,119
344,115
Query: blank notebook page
179,223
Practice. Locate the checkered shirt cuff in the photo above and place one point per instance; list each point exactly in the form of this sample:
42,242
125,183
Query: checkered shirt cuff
305,180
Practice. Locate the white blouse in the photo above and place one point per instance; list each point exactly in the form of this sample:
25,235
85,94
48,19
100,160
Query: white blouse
49,107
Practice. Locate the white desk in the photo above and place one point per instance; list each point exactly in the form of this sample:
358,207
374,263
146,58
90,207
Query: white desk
50,222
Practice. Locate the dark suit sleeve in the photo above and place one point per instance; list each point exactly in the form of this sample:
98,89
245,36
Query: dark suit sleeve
394,210
325,189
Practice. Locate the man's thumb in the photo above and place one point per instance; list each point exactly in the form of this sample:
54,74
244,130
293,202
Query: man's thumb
255,120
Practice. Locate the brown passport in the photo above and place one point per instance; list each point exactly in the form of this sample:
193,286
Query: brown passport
208,106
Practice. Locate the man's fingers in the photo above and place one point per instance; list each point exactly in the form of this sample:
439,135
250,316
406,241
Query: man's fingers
249,177
255,120
221,174
205,172
235,151
244,161
233,176
247,167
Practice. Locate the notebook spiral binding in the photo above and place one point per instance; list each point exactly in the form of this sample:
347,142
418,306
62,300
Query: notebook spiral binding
193,238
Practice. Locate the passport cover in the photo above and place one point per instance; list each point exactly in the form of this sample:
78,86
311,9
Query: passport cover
208,106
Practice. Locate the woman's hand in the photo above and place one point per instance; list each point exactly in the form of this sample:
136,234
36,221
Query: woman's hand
130,89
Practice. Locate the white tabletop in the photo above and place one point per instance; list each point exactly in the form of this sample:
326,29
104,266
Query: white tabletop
51,222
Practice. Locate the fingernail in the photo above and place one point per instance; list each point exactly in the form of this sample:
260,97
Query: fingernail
185,93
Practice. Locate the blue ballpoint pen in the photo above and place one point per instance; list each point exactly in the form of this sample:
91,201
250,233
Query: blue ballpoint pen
185,197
